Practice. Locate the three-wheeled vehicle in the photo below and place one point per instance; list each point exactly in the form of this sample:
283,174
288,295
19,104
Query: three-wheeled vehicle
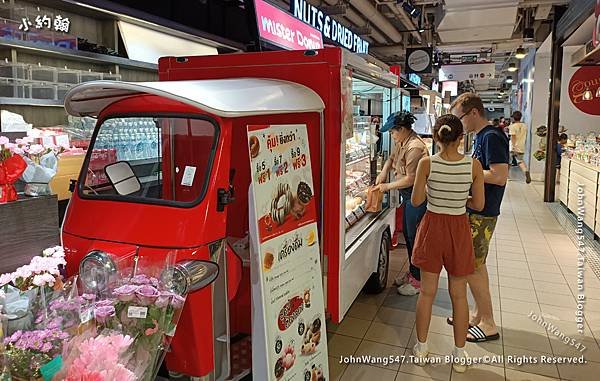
168,171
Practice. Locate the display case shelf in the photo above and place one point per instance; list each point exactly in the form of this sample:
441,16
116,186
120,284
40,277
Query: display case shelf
356,161
76,55
30,102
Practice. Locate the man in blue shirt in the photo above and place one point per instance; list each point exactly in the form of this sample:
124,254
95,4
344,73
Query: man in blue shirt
492,150
562,142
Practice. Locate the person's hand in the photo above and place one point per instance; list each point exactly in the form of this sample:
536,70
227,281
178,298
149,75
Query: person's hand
383,187
380,178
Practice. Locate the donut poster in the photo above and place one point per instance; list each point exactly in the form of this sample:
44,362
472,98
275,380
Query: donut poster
286,257
282,177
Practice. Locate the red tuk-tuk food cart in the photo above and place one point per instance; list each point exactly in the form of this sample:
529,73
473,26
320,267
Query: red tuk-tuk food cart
168,172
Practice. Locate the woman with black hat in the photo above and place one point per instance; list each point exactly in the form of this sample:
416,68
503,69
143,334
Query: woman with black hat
408,150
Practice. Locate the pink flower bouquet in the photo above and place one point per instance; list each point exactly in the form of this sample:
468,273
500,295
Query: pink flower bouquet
100,358
30,288
143,309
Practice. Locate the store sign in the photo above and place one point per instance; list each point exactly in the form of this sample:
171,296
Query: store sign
469,58
330,28
59,23
450,86
584,89
460,72
289,337
414,78
418,60
596,35
279,28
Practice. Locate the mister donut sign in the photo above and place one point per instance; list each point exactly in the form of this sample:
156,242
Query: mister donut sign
584,89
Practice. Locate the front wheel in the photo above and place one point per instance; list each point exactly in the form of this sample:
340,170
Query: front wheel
378,280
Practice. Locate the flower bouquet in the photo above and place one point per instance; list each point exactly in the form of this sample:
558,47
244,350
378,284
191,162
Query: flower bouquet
146,311
42,164
29,351
28,290
28,293
97,358
11,168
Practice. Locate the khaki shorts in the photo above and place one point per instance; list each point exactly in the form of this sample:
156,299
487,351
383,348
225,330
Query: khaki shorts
482,229
520,156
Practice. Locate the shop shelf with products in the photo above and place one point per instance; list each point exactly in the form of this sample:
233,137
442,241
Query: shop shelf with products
14,88
43,90
69,76
43,73
14,70
88,76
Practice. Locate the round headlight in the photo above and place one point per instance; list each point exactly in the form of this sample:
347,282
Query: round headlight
96,270
190,275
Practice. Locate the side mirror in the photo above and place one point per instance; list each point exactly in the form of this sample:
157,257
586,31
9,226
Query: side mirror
122,178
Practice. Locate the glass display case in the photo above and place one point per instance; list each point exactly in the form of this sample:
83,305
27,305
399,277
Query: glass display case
358,169
366,150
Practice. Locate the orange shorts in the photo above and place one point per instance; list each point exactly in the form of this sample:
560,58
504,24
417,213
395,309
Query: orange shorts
443,239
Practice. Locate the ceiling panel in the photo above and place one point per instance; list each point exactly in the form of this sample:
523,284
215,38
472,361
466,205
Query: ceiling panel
473,24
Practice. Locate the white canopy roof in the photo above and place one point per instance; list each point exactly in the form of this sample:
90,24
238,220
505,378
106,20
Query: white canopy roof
222,97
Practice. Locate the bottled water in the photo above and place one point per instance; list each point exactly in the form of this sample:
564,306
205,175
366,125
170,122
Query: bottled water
140,146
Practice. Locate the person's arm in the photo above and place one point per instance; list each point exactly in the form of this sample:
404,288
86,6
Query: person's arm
513,134
384,171
477,199
419,194
413,156
498,157
497,174
382,177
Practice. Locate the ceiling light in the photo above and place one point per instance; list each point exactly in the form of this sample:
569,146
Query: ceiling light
520,53
499,96
512,67
509,79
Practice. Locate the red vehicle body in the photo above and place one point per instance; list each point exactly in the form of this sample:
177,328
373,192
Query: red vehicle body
204,230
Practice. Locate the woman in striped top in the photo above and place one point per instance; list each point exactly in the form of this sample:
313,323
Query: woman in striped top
444,235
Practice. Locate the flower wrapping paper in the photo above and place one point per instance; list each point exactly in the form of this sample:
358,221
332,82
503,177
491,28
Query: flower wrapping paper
10,171
37,176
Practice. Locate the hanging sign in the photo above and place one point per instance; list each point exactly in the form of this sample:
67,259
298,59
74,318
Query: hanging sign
414,78
330,28
464,72
584,89
289,337
419,60
281,29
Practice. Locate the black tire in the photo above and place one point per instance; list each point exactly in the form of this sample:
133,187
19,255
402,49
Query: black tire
378,280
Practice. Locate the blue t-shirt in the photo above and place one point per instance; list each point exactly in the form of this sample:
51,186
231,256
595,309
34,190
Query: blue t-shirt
491,147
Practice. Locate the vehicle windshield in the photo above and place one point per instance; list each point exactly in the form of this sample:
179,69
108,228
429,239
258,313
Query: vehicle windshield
151,159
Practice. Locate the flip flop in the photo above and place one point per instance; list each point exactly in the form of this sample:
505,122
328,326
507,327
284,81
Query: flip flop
479,336
449,321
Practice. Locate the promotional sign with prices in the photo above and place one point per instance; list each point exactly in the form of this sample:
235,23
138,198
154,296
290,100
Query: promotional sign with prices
286,257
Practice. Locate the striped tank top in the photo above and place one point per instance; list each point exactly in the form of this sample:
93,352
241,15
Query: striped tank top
448,185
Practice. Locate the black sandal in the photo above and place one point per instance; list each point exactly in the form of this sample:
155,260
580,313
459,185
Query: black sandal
450,322
479,336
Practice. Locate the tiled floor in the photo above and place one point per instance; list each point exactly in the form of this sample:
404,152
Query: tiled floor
532,266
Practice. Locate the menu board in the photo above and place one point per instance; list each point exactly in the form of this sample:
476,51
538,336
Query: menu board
289,337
